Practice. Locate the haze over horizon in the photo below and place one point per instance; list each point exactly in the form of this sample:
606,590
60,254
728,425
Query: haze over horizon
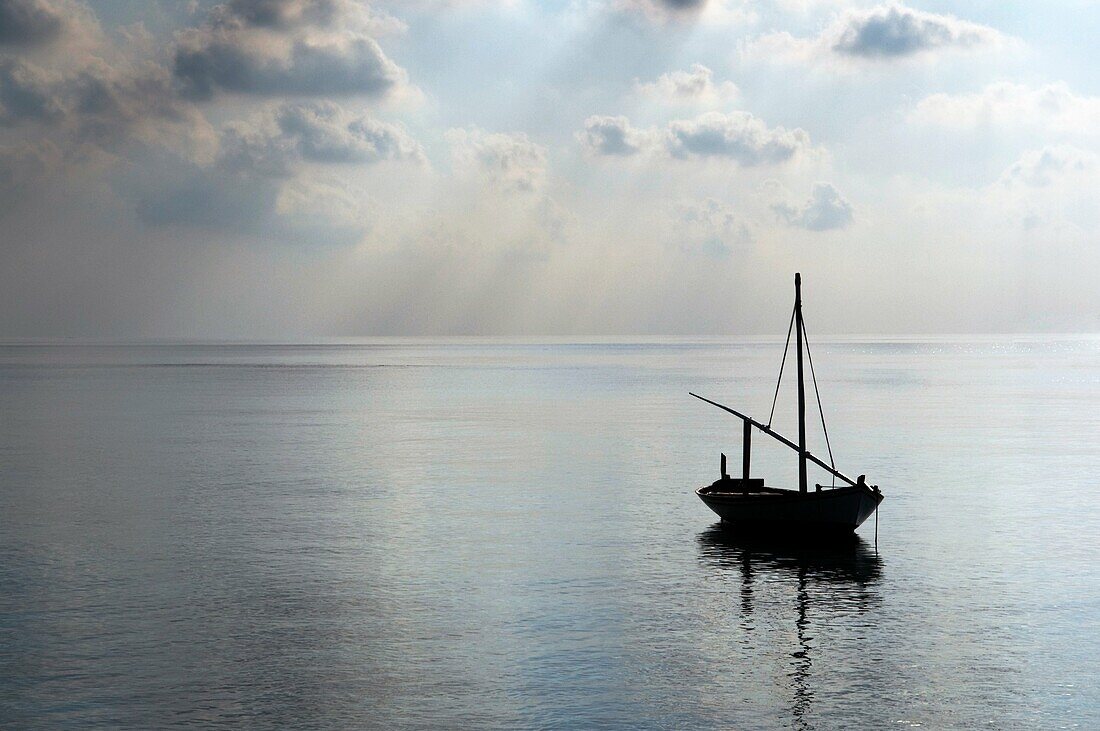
266,169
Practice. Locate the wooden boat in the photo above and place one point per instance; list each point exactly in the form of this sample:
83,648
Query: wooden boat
749,506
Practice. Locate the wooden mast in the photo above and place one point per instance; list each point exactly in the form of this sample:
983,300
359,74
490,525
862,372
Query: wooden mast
801,385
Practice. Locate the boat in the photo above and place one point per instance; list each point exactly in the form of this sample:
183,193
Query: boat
749,506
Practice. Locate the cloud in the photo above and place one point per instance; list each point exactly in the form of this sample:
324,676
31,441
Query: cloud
285,47
673,6
611,136
101,105
662,10
693,86
323,201
281,14
255,151
256,178
27,93
508,162
882,34
710,227
29,22
1051,165
323,133
825,210
895,31
1052,192
289,15
1053,107
682,12
736,136
110,106
219,198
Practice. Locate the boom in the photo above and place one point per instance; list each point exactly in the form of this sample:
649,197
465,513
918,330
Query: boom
779,437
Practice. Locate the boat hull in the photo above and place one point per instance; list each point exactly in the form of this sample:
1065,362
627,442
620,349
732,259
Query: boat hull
839,510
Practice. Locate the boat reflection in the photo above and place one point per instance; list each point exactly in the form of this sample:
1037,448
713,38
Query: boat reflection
829,580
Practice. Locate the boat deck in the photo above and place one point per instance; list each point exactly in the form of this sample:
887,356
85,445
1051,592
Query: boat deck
739,487
733,487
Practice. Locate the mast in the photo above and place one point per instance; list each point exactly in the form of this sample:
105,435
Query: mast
801,385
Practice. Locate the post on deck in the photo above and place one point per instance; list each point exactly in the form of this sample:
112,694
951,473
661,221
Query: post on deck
746,450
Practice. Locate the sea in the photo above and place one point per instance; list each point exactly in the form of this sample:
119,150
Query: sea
503,534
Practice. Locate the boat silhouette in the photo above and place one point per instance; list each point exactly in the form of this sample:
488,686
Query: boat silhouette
751,507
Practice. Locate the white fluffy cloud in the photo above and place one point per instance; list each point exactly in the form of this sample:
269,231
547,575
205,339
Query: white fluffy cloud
882,34
825,210
1052,107
895,31
1051,192
711,227
612,136
1054,165
508,162
737,136
694,86
322,132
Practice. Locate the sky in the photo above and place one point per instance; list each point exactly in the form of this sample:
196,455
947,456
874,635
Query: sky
330,168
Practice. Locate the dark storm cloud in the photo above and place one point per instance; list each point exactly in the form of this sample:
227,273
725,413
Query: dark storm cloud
825,210
895,31
284,47
610,136
738,136
28,22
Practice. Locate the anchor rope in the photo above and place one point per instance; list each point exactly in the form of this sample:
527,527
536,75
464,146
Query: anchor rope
786,347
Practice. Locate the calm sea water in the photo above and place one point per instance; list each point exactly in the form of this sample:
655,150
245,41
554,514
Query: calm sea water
421,534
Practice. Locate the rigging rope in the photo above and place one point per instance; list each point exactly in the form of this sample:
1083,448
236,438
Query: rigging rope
783,363
821,411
